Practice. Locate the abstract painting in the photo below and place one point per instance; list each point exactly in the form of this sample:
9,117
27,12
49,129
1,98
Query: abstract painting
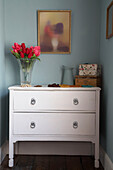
54,31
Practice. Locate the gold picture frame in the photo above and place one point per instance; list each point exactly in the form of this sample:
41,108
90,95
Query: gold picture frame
109,21
54,31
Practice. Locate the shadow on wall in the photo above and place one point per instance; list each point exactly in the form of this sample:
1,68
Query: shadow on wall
12,68
103,111
4,118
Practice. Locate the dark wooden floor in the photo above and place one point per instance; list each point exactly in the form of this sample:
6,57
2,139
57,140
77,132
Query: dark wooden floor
23,162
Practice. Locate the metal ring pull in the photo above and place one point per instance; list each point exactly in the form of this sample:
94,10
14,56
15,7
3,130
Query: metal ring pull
32,125
75,125
75,101
33,101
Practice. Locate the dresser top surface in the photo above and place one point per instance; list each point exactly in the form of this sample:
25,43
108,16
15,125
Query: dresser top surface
19,88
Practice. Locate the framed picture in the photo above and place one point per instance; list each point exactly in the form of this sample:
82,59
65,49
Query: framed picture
54,31
109,22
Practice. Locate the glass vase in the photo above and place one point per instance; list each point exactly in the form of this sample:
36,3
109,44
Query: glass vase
26,66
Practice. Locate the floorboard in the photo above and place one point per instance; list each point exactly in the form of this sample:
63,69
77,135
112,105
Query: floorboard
51,162
73,163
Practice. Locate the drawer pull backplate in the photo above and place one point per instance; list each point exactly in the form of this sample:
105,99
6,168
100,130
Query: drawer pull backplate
75,125
32,125
75,101
33,101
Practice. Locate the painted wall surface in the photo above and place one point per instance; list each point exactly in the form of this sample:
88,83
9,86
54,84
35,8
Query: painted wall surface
2,78
21,26
106,59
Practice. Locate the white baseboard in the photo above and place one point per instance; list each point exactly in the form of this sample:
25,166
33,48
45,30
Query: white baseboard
3,151
105,160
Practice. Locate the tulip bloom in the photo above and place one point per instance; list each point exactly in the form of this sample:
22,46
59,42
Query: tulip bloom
23,45
22,54
30,55
36,50
27,51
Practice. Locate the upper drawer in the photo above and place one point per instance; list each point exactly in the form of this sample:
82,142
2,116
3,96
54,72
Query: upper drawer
54,100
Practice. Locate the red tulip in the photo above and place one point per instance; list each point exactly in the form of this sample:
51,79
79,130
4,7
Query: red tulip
22,54
37,47
30,50
15,50
38,54
27,50
13,47
31,47
36,50
30,55
16,46
24,50
23,45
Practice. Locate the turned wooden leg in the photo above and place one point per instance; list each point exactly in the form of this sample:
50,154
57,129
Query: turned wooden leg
11,154
97,155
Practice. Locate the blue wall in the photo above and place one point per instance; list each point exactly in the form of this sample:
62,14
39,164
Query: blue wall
2,78
106,59
21,26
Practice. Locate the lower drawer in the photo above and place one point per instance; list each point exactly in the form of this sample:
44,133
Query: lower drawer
54,123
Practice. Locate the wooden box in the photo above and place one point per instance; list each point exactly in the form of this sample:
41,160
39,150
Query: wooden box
88,81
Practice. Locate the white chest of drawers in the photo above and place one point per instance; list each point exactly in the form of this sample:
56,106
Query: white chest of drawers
53,114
